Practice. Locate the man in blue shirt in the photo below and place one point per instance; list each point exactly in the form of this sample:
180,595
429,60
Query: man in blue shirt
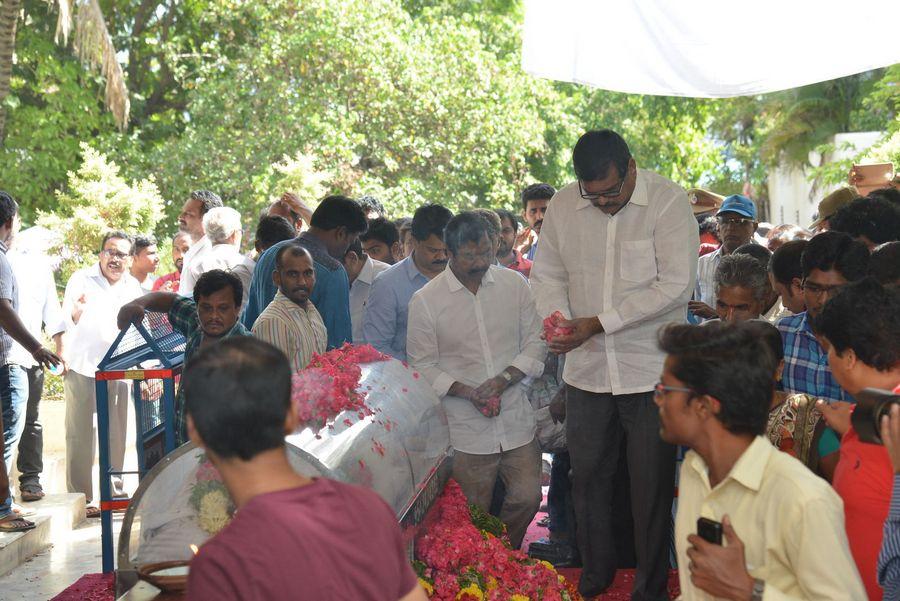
384,324
830,261
335,224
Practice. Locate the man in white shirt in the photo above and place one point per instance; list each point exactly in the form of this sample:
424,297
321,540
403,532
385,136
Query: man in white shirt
737,224
618,258
772,529
190,221
92,301
361,271
223,231
39,309
474,335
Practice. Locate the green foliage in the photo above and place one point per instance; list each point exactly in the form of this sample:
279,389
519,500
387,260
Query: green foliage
486,522
98,200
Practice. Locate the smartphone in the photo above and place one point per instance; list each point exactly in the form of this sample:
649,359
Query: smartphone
709,530
871,177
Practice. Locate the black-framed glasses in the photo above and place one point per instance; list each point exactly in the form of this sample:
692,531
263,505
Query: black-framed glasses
113,254
604,194
661,389
818,289
723,221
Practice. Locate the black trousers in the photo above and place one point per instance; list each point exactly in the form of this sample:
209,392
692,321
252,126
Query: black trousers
29,461
596,424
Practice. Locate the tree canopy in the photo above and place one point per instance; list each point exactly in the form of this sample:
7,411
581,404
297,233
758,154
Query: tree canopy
407,100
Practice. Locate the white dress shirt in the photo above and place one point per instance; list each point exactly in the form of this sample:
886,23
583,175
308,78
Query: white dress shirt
39,306
194,253
359,294
456,336
705,289
226,257
790,521
635,270
89,340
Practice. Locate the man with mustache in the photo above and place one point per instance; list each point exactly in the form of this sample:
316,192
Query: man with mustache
384,324
474,334
535,200
291,322
181,243
190,221
93,296
210,316
507,255
737,222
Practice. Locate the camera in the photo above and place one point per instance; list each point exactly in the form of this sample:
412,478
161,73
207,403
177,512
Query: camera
871,405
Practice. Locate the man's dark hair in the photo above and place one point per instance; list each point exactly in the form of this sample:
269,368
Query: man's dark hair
504,214
864,316
339,211
884,264
785,262
728,362
273,229
537,192
214,280
141,242
709,225
115,235
744,271
295,249
875,218
770,335
208,200
238,393
9,208
595,151
890,194
370,203
836,250
430,219
492,219
468,226
757,251
382,230
355,248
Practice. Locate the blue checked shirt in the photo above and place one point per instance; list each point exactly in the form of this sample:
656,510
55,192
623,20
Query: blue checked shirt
806,362
889,558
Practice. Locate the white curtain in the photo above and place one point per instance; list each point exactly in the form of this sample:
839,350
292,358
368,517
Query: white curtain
707,48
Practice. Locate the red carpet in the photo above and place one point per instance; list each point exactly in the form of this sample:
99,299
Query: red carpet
90,587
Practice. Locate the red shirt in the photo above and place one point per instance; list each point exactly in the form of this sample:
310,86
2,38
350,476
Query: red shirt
174,277
521,264
324,541
864,478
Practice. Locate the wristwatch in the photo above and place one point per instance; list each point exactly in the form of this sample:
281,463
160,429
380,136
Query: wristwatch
506,376
759,587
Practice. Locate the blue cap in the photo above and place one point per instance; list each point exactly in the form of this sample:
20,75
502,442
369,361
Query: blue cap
740,205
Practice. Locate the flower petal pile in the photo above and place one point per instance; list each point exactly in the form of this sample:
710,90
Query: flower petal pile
552,328
459,561
328,386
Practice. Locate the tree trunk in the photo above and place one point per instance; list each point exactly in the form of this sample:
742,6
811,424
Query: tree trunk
9,16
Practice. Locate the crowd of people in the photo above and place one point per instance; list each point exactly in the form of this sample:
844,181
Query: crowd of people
685,335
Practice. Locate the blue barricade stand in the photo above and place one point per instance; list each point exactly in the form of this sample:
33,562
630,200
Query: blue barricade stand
150,355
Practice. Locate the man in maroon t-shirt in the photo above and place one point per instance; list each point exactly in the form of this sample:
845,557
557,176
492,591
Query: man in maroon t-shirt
292,537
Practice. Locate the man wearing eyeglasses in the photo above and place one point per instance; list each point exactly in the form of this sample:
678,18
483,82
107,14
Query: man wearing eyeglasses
829,261
737,223
618,258
92,301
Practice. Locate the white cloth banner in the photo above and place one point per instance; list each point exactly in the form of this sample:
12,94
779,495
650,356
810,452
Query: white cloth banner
707,48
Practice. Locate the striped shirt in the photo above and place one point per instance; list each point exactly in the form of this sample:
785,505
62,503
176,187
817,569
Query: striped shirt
296,331
706,277
806,362
889,558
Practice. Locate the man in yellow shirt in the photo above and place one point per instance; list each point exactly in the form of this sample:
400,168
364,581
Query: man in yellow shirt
781,528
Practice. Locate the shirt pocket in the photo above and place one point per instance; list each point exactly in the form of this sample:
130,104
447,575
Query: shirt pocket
637,261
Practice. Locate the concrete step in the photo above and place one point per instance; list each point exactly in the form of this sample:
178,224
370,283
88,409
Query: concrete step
56,516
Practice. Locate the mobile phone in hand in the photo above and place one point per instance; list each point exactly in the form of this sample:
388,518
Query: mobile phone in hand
709,530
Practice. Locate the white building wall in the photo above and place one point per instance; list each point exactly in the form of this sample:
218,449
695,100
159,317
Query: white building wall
792,196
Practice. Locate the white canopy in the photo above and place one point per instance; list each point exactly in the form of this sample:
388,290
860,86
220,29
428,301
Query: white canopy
707,48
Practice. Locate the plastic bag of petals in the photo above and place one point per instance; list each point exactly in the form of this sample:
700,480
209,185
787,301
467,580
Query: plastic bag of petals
329,385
